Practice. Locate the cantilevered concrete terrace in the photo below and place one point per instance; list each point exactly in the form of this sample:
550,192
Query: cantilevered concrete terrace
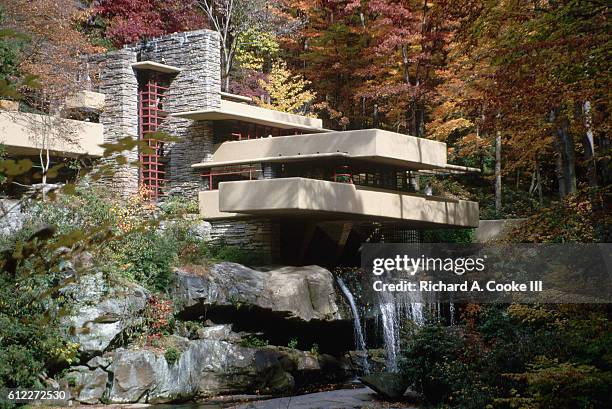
325,200
237,111
25,133
349,175
371,145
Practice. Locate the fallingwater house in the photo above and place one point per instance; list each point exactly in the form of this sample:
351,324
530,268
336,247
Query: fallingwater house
267,181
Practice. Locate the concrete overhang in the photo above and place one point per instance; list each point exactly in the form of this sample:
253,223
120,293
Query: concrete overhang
370,145
155,66
300,197
23,133
235,97
87,100
231,110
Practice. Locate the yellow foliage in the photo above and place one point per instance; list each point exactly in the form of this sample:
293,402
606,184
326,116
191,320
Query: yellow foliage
255,48
68,353
130,215
287,91
530,314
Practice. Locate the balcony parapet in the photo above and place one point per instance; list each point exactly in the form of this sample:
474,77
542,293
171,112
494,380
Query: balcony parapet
24,134
300,197
371,145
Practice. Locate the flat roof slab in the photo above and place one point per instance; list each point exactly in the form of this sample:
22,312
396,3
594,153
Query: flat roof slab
237,111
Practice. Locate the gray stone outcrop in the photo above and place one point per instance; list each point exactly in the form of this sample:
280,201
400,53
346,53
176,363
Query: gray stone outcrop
100,311
206,367
304,293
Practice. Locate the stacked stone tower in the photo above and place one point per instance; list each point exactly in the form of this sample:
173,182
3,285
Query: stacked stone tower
196,86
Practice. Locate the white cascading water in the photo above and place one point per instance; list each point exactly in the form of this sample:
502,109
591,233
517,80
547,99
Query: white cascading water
390,326
359,338
394,309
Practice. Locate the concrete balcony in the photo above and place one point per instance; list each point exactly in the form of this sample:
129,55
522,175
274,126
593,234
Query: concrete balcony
370,145
25,134
209,206
299,197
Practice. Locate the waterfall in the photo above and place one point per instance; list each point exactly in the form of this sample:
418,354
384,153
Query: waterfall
394,309
391,329
359,338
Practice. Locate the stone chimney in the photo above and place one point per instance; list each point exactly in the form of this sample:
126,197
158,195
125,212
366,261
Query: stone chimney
197,86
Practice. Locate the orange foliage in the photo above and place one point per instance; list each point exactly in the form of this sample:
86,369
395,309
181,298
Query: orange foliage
56,49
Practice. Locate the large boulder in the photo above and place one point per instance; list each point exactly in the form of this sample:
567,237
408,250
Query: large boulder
86,385
12,218
305,293
101,311
209,367
370,361
392,386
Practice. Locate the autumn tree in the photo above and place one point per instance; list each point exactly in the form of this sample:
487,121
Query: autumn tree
328,52
547,64
55,50
285,91
235,19
128,21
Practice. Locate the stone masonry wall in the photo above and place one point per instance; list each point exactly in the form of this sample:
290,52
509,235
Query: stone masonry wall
117,80
259,236
196,87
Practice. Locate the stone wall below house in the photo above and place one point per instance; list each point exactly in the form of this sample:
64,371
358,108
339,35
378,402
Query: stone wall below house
258,236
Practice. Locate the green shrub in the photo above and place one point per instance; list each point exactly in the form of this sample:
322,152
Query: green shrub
580,218
88,208
314,349
253,341
293,343
172,355
428,358
551,384
147,257
515,204
179,206
518,355
137,246
448,236
29,337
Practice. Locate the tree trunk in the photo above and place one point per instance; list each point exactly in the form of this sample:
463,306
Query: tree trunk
539,184
405,64
588,144
498,181
375,119
518,178
603,141
421,121
44,165
559,170
568,156
226,75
